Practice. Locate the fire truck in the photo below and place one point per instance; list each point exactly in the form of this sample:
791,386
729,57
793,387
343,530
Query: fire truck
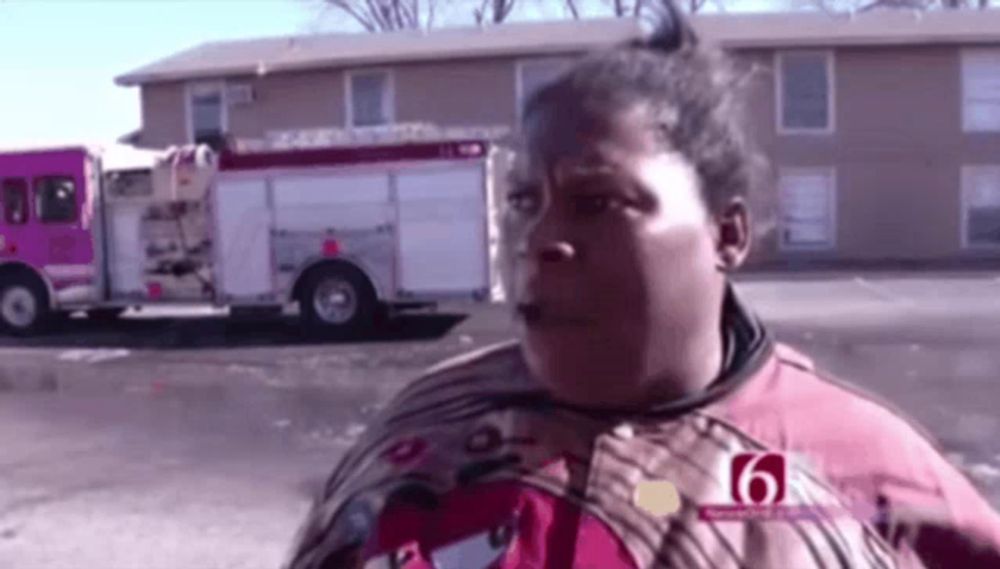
341,227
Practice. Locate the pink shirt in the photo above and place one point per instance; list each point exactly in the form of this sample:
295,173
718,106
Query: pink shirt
871,454
475,467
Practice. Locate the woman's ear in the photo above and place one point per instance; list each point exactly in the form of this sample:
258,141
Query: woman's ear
733,235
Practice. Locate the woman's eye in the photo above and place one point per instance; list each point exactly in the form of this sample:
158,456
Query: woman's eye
596,204
524,202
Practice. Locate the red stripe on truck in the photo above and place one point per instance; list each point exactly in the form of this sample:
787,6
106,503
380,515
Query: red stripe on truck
458,150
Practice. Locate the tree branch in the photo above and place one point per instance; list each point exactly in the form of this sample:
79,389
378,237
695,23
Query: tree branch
395,14
377,12
869,5
406,15
431,13
573,10
364,19
502,10
479,13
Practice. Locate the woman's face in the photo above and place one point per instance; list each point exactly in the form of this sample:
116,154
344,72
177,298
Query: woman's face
612,258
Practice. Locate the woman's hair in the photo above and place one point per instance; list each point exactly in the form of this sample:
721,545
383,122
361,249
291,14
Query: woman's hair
689,90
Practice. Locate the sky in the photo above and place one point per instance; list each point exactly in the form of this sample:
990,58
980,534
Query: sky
58,58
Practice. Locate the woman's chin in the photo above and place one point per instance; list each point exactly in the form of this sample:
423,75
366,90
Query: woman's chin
592,395
581,374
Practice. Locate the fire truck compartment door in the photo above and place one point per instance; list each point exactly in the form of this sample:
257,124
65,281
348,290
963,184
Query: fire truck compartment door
443,231
244,248
339,202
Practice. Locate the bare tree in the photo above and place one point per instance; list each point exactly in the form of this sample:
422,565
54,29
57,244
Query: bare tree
869,5
622,8
388,15
392,15
691,6
493,11
959,4
696,5
573,9
637,8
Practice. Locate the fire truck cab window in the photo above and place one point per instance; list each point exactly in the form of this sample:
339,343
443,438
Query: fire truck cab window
55,199
14,201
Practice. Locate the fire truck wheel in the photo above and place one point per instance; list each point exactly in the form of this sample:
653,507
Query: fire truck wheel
338,299
24,307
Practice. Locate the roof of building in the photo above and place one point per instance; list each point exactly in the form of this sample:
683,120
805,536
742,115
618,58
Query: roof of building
260,56
735,31
879,27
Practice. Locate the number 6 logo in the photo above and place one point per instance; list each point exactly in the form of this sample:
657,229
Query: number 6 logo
758,478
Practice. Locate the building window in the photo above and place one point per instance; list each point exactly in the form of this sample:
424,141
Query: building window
536,73
805,92
55,199
981,206
14,201
207,114
369,98
808,208
981,90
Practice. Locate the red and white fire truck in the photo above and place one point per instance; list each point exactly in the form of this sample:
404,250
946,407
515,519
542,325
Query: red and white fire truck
339,228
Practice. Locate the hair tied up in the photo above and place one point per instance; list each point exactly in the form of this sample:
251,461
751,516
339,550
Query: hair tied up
672,31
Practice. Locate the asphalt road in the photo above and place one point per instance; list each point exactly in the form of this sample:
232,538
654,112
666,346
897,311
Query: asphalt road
189,441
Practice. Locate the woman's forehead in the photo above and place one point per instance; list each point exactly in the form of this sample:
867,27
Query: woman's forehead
586,135
584,142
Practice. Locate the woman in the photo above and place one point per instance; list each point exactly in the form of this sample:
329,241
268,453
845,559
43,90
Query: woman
642,402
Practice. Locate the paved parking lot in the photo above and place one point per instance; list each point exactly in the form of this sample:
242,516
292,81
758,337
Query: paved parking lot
189,440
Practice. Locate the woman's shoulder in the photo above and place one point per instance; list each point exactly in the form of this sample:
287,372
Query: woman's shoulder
493,354
494,368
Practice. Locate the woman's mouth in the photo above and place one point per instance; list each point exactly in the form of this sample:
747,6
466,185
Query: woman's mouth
528,312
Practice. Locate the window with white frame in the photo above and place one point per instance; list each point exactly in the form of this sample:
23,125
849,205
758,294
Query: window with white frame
206,113
981,206
805,92
369,98
981,90
533,74
807,208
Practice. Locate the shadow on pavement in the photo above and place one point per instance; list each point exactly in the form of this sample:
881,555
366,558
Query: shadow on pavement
223,332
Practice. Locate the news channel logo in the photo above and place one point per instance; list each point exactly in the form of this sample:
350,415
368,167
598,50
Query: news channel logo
758,490
759,485
758,478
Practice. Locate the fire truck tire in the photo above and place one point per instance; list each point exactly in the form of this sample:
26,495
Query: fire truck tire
24,305
338,299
